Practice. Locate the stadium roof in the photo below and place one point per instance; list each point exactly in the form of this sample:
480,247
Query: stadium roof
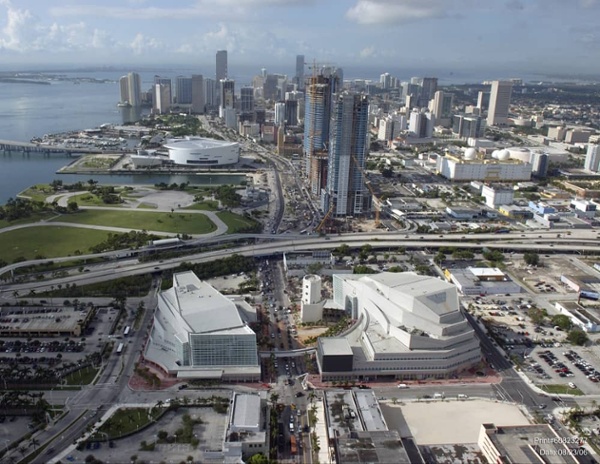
196,143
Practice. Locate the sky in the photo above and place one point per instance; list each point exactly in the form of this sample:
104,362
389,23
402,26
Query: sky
501,36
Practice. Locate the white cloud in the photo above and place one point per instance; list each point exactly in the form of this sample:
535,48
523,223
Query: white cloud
23,32
367,52
392,11
142,45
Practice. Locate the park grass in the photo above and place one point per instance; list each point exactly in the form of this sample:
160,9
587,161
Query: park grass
38,192
35,217
127,420
235,223
89,199
83,376
146,206
49,242
560,389
144,220
207,205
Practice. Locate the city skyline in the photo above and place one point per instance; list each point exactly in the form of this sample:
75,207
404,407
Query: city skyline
512,35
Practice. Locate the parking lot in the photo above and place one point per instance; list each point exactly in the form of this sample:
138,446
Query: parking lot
566,366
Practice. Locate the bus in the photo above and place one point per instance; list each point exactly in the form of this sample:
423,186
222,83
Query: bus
127,330
120,348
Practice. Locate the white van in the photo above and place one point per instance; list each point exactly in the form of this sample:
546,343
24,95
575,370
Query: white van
402,385
437,396
462,396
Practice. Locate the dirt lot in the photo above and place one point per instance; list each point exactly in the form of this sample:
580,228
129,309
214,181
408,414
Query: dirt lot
548,274
304,333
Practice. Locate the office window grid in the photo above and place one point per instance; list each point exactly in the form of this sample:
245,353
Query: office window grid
223,350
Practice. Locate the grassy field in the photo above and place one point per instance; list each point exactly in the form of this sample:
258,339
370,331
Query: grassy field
560,389
127,420
49,242
207,205
38,192
83,376
144,220
89,199
33,218
235,222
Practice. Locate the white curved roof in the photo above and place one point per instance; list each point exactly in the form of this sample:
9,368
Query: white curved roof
191,143
470,153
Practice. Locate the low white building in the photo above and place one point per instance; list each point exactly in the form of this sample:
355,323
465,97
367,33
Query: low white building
470,167
407,326
584,318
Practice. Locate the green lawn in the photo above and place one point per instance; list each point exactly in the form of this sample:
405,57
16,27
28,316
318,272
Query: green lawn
35,217
83,376
235,222
49,242
560,389
207,205
38,192
89,199
127,420
144,220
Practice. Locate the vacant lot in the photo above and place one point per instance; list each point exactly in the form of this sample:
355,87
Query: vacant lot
49,242
143,220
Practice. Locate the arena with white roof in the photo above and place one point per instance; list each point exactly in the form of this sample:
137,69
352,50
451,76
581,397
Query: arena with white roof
408,326
198,151
199,334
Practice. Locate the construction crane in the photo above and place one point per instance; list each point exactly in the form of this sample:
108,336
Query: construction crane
325,218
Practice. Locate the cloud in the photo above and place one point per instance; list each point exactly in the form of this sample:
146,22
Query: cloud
393,11
142,45
225,9
367,52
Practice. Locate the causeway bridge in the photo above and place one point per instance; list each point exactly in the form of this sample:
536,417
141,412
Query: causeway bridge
12,146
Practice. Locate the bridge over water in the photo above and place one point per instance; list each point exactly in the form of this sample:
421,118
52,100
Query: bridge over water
12,146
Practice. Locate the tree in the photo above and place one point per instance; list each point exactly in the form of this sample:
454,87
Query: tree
537,315
258,459
342,250
72,207
562,321
439,257
577,337
531,258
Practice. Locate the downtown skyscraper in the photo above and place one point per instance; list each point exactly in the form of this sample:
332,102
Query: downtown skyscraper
131,89
316,130
499,103
221,65
346,193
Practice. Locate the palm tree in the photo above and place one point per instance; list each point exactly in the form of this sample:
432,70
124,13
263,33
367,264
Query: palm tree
34,442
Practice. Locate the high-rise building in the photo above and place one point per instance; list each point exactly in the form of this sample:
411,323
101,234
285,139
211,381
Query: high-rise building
385,81
592,158
198,94
428,90
227,93
442,107
279,113
165,81
539,164
316,129
131,89
468,126
346,193
299,78
210,92
270,90
499,103
483,100
221,65
184,90
247,99
162,98
291,112
421,123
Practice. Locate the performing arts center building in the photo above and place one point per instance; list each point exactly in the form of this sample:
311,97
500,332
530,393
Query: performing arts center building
406,327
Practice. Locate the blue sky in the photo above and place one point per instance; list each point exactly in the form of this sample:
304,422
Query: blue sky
516,35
